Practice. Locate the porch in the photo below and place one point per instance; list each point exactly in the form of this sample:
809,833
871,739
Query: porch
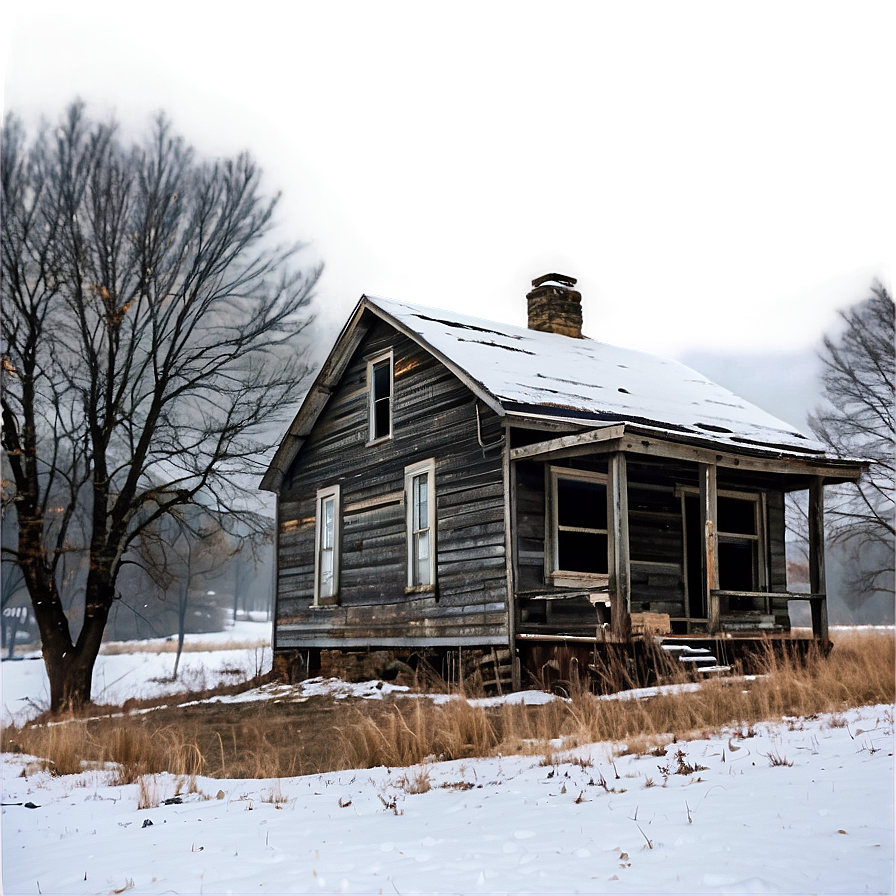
618,524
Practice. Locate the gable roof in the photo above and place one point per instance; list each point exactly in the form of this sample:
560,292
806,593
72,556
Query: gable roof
522,372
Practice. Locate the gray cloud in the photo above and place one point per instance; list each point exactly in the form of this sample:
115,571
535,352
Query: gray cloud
718,174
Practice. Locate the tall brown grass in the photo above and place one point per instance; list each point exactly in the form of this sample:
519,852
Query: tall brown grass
275,741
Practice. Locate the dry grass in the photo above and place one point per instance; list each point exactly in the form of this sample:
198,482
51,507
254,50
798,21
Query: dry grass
148,791
114,648
282,740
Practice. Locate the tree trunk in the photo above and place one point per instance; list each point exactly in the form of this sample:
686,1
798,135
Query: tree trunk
71,680
70,666
182,596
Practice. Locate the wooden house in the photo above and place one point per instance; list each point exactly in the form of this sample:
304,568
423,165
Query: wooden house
454,485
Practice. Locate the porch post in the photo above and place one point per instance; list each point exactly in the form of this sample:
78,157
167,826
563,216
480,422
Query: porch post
709,512
620,579
817,583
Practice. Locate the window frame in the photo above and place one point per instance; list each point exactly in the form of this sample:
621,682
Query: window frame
374,361
553,572
332,492
425,468
759,538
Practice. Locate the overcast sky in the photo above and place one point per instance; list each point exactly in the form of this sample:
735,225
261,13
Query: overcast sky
717,175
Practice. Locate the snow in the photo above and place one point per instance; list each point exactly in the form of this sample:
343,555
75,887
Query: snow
799,805
586,823
519,366
145,670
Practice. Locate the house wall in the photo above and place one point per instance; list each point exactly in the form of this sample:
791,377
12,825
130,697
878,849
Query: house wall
434,416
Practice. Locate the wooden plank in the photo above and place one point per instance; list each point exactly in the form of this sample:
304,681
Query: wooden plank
374,503
541,450
708,512
297,641
817,582
510,559
647,441
620,580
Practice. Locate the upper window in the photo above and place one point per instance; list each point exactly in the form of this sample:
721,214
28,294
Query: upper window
326,541
578,523
379,387
419,488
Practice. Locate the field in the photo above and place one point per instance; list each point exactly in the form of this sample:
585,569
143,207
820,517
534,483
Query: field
781,782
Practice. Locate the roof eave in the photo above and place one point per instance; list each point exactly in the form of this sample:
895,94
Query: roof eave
612,436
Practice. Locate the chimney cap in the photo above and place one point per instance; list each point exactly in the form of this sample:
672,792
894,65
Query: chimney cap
562,279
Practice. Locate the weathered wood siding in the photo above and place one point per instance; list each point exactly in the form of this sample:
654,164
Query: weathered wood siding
777,559
433,416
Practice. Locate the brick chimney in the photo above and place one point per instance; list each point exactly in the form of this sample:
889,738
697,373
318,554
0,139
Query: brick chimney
554,306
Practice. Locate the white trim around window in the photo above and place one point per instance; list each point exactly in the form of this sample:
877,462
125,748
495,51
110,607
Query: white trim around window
326,545
379,396
420,501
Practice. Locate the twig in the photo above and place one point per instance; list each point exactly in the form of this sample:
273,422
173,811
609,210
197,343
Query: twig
649,841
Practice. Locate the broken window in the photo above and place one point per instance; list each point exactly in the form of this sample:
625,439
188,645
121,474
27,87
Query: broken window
419,480
326,539
379,383
579,522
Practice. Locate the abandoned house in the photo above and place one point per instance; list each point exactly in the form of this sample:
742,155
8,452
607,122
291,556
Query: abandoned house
454,488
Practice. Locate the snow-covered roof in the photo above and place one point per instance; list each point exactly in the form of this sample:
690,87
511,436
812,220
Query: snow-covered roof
544,374
517,371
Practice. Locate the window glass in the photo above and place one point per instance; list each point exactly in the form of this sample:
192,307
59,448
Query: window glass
737,516
421,510
737,565
580,534
581,504
582,551
422,560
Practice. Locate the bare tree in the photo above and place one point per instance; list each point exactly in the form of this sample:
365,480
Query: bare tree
858,419
149,337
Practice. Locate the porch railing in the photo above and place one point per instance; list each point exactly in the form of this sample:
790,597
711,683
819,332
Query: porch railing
817,604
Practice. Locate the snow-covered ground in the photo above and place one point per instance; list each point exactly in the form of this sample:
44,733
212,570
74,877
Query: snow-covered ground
144,671
591,822
793,806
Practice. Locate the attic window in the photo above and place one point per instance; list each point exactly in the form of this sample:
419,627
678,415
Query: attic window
379,386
